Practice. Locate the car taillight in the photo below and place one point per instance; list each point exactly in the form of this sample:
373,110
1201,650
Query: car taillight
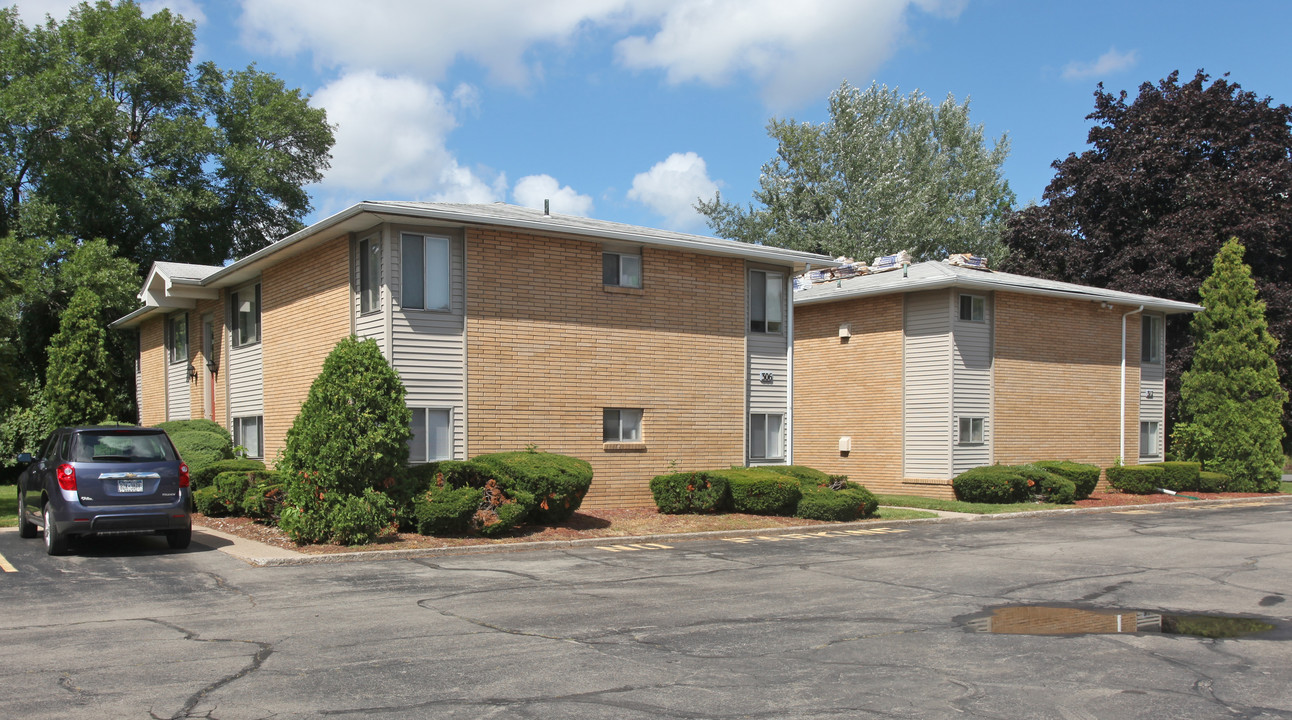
66,476
183,475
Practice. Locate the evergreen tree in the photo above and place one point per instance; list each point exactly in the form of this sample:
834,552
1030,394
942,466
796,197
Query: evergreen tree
78,385
1231,401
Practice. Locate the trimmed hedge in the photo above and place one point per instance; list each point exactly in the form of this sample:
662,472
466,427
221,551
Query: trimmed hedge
1136,479
991,484
202,478
500,504
1179,476
406,488
801,472
1084,477
1213,482
200,448
446,510
558,482
1046,486
250,493
759,492
690,492
823,502
199,425
265,495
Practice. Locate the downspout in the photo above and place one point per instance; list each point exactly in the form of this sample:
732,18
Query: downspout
1122,446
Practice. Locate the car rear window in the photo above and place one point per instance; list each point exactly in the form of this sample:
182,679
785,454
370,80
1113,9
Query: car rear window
120,447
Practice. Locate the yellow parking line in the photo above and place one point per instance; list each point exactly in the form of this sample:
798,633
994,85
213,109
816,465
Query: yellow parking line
6,565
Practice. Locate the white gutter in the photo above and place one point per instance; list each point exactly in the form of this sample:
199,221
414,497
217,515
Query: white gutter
1122,446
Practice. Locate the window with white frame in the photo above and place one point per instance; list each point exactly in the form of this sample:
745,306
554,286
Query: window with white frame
370,274
1148,439
432,437
621,425
766,301
973,308
246,316
970,431
425,265
766,436
1150,348
249,433
177,335
621,269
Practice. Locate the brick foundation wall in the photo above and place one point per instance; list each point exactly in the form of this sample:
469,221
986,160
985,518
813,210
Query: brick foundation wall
548,347
152,366
851,388
304,314
1057,384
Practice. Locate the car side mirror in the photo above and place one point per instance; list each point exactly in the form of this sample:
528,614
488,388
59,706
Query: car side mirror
24,458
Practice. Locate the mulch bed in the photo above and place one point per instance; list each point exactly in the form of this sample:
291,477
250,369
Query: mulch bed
617,523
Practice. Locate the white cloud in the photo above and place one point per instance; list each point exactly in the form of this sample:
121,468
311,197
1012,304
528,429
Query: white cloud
33,12
390,142
188,8
1108,63
532,190
671,188
797,51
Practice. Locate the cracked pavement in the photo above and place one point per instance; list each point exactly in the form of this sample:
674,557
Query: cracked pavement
840,627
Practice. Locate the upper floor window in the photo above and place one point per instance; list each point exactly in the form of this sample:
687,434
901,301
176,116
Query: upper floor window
426,265
177,337
621,269
246,316
370,274
766,301
973,308
1150,347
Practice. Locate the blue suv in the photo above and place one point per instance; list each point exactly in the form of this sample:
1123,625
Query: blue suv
105,481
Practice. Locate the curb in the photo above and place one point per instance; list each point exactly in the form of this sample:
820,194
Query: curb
277,559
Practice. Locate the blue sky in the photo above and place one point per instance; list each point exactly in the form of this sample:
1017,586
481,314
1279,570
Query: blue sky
627,110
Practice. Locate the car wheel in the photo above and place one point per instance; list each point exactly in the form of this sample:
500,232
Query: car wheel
55,541
179,539
26,529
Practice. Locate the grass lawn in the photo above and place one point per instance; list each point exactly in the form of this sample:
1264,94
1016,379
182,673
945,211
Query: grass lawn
8,505
916,501
1285,488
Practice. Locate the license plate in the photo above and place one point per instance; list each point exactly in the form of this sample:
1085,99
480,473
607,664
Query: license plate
127,485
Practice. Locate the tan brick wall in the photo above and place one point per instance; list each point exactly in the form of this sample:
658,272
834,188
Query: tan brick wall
548,348
152,367
304,314
851,388
1058,381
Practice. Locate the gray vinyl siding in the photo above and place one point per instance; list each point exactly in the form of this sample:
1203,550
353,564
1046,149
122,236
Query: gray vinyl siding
246,381
177,397
429,346
769,352
373,324
1152,380
926,385
971,355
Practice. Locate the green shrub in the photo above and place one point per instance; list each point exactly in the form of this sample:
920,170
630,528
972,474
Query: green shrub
824,502
500,506
173,427
263,499
204,501
559,482
359,519
1084,477
991,484
229,490
202,478
199,448
1179,476
1046,486
1136,479
352,430
1213,482
500,510
801,472
759,492
407,488
445,510
690,492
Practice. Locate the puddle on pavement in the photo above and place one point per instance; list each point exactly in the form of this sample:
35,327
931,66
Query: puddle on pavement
1057,620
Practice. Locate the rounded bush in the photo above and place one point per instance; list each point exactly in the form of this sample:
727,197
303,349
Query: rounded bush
1179,476
265,496
823,502
1213,482
1084,477
198,424
1135,479
199,448
445,510
801,472
1046,486
406,488
558,482
760,492
204,501
991,484
690,492
229,490
203,477
500,504
359,519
